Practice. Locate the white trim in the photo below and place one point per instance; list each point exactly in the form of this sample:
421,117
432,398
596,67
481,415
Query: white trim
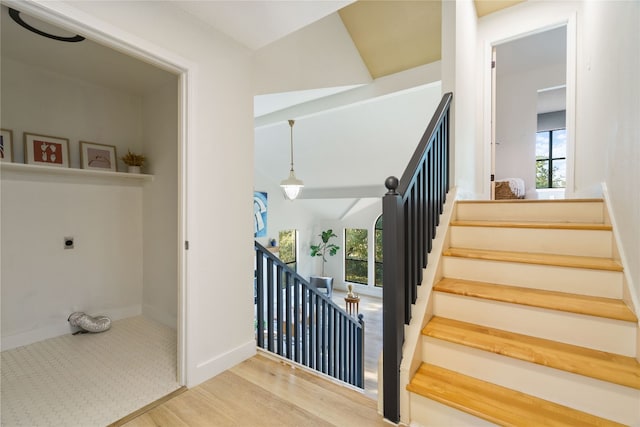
68,17
212,367
63,327
570,23
628,282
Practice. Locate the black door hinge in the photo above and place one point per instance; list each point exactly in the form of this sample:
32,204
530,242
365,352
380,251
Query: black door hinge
493,177
493,64
186,245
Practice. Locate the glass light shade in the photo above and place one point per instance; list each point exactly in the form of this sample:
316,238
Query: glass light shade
291,186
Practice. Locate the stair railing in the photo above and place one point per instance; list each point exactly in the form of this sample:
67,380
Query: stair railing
297,321
411,210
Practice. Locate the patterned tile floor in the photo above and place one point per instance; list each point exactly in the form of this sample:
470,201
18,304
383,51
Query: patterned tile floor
90,379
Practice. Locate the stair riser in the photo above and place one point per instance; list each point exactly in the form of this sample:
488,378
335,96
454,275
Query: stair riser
429,413
600,283
587,331
582,212
594,243
589,395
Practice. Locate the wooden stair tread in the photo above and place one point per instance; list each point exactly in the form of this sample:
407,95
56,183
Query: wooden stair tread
594,263
475,202
581,304
542,225
613,368
494,403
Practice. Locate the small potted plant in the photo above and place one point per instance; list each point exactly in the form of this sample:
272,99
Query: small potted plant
322,249
133,161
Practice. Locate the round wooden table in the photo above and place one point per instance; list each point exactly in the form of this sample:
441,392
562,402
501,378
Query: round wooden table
353,304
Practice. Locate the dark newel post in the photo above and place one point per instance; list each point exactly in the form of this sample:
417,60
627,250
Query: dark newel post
360,345
393,294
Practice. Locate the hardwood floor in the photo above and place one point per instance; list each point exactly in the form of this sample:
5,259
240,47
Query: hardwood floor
266,392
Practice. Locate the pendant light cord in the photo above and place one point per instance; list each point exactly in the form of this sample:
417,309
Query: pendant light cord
291,122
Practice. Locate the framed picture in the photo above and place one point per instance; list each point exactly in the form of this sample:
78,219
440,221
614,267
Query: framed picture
98,156
259,214
46,150
6,145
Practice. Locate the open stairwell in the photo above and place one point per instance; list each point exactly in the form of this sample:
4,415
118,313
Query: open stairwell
528,322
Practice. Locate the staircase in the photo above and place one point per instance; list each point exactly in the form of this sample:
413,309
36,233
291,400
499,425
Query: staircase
529,325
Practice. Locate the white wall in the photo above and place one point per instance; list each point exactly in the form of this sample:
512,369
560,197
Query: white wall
606,110
160,213
611,104
83,111
218,133
468,147
363,218
41,282
333,149
516,127
283,214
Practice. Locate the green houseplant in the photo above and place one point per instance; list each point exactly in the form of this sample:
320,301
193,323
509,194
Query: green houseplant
325,247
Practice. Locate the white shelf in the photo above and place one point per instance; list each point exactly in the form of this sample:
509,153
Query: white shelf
72,172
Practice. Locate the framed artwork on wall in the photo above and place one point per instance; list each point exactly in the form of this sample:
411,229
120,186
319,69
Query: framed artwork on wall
46,150
6,145
259,214
98,156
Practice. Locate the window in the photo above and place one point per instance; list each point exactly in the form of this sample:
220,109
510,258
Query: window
551,159
288,247
356,255
378,251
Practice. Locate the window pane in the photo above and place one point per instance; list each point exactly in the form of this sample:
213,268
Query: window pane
356,255
542,174
559,144
356,271
542,145
357,246
379,273
559,174
378,243
287,239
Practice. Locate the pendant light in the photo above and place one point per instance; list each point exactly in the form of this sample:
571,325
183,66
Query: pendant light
291,185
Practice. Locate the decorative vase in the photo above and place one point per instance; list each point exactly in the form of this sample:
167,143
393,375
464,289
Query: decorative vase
350,293
134,169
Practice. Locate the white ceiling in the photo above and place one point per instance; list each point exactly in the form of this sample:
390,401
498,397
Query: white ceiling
256,24
86,60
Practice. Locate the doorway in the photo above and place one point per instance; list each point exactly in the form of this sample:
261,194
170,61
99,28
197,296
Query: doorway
531,82
128,261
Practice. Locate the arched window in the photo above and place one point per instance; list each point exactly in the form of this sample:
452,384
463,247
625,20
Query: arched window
378,251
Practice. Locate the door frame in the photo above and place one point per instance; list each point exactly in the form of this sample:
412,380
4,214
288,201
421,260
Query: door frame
488,112
79,22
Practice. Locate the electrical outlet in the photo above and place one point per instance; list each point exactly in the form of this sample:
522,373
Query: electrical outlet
68,242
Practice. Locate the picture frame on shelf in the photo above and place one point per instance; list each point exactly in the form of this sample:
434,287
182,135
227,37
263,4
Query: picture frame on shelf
6,145
44,150
94,156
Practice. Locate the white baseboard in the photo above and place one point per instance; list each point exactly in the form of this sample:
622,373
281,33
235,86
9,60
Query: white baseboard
210,368
62,327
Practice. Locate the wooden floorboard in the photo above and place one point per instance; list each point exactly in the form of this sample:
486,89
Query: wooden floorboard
267,392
